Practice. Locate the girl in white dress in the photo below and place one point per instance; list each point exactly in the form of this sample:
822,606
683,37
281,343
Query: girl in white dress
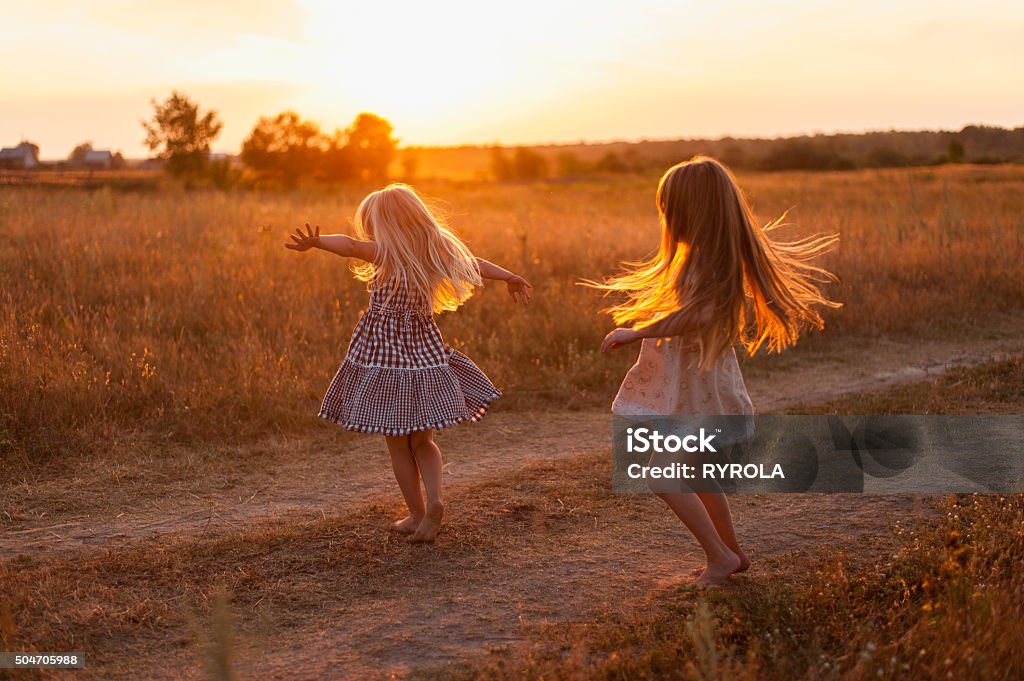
718,279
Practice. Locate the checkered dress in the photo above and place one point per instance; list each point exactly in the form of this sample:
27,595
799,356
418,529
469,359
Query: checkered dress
399,377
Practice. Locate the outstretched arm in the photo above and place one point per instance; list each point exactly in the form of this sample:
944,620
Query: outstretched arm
518,287
339,244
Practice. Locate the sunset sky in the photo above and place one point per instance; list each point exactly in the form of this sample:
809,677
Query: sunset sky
526,72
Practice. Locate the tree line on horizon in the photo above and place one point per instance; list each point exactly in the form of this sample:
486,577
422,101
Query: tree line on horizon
893,149
281,151
285,150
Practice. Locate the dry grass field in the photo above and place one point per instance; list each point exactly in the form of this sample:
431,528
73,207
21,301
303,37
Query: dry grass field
179,317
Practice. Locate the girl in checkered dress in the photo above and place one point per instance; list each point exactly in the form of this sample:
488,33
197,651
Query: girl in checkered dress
399,378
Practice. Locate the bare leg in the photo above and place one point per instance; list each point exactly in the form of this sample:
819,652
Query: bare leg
428,458
722,562
403,463
717,506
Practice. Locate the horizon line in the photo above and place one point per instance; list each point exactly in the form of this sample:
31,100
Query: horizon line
611,141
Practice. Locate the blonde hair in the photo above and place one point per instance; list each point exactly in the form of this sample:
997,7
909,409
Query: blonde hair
715,260
415,248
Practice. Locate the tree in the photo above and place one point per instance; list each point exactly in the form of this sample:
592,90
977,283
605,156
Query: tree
955,152
288,148
338,164
285,148
886,157
804,154
410,164
733,155
77,156
180,134
525,164
568,164
611,163
371,147
528,164
501,168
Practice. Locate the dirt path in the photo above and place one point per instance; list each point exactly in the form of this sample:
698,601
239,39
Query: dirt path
173,493
528,555
577,576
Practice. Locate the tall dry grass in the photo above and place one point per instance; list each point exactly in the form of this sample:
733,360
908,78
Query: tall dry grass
180,315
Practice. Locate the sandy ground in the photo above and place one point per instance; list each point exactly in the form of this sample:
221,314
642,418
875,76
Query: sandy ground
616,563
546,561
181,492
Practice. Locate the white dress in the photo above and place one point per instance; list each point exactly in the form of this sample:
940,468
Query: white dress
666,381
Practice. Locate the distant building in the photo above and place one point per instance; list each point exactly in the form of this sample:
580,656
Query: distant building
21,157
99,159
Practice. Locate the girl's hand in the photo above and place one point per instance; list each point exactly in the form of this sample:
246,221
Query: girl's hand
619,337
519,289
304,242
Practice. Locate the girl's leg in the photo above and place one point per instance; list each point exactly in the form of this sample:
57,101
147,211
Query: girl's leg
722,561
403,463
428,458
717,506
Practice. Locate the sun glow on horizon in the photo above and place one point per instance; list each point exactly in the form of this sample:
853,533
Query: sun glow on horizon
443,67
409,71
457,72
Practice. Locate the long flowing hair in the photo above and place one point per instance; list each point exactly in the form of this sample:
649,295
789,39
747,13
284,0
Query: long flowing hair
415,248
715,261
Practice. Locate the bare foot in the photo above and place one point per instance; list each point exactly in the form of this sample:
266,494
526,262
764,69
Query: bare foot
718,571
744,565
431,523
406,525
